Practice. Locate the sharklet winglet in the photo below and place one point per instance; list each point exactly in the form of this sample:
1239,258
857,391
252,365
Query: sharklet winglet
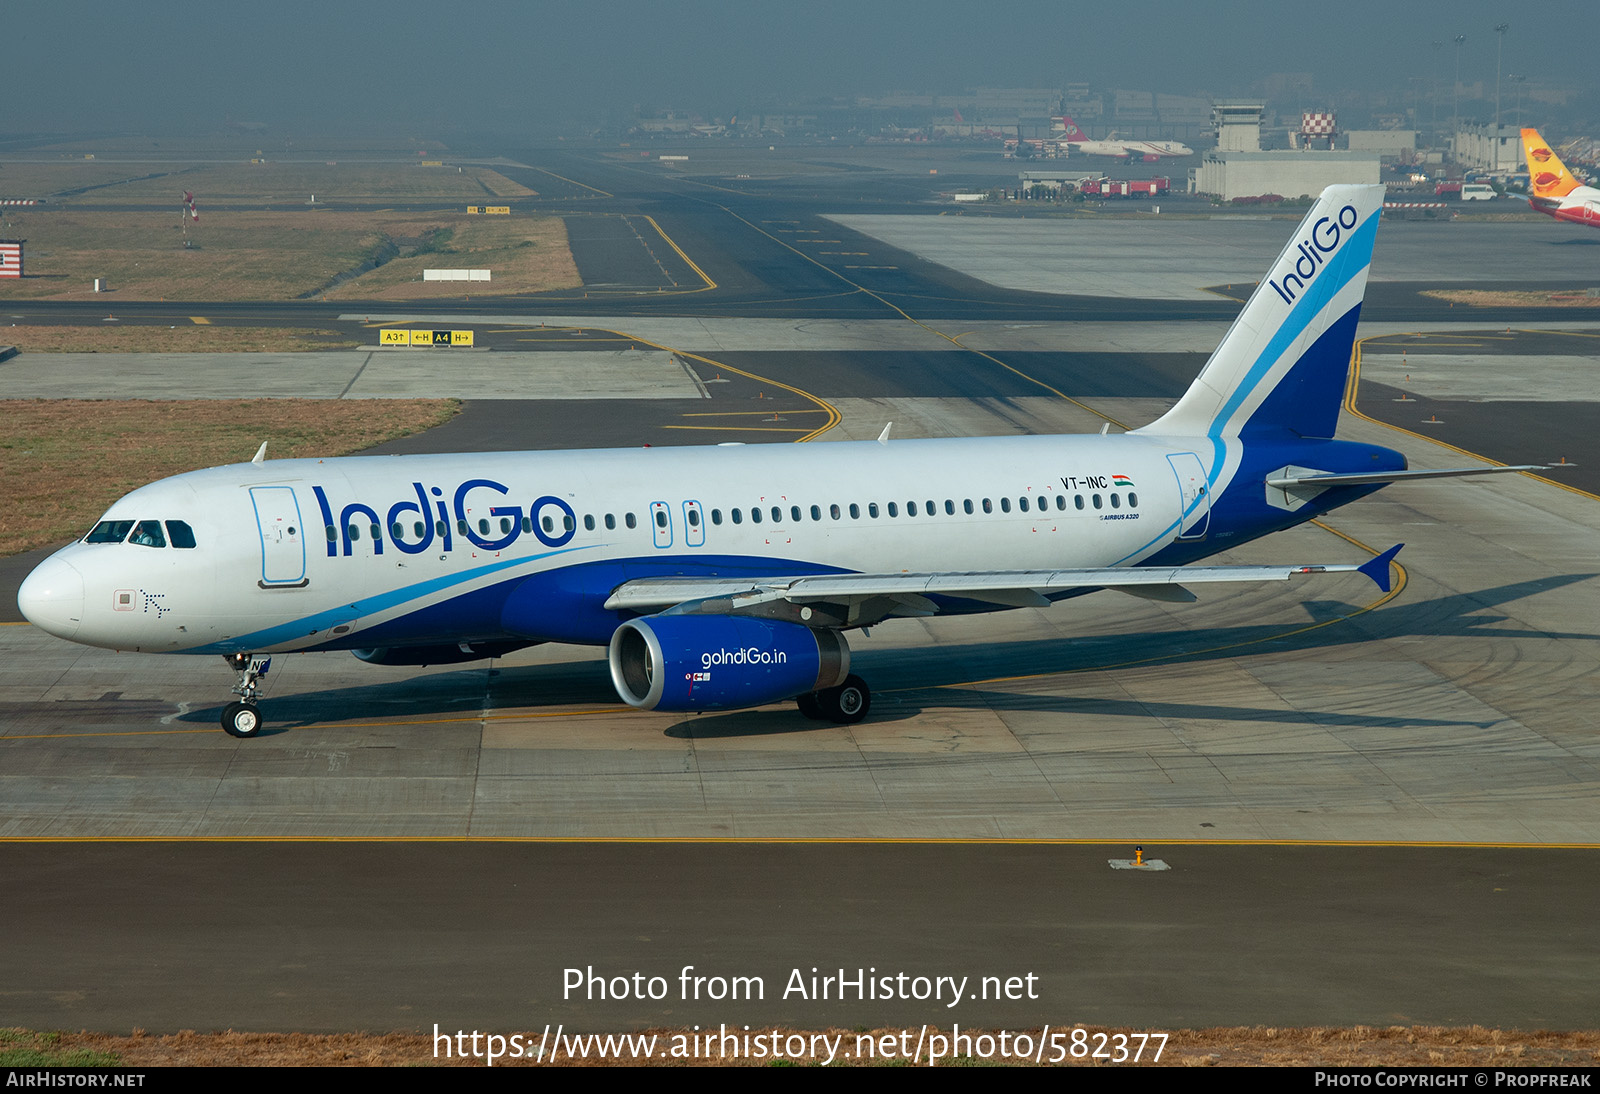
1378,568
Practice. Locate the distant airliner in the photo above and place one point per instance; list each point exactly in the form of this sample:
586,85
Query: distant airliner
1149,151
1551,187
727,576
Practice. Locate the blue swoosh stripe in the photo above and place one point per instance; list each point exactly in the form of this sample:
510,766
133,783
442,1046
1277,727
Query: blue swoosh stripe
318,621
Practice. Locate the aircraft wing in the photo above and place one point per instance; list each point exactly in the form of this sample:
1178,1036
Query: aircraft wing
847,599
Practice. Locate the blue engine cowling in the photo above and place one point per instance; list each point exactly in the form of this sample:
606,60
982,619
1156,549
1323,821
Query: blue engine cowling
698,662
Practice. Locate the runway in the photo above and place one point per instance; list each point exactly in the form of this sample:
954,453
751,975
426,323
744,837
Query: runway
1454,712
359,936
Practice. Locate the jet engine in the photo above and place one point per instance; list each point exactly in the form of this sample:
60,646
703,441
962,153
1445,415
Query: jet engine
698,662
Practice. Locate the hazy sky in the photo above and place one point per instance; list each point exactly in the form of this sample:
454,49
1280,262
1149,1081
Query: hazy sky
175,65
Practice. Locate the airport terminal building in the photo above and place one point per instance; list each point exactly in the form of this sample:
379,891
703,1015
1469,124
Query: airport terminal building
1290,174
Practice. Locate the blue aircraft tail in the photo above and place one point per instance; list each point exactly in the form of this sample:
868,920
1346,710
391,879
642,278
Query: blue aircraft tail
1282,367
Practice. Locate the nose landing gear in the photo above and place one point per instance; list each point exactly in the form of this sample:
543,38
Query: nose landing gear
243,719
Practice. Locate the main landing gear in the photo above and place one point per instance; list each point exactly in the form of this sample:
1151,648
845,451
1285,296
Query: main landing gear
244,719
846,704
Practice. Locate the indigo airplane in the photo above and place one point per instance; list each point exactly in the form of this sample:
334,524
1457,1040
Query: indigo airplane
726,576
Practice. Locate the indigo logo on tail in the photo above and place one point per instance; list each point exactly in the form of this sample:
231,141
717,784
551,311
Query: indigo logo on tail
1324,240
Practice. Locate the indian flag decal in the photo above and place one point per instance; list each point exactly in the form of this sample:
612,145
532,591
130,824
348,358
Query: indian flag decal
1121,480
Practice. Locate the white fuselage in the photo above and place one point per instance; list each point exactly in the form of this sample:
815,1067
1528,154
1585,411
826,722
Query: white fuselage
301,554
1582,206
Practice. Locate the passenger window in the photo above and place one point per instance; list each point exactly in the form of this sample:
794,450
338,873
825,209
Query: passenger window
377,533
569,523
1077,499
949,507
180,534
548,524
505,526
148,534
716,516
1061,501
933,509
1116,502
483,526
894,510
755,514
855,511
1097,501
461,527
333,534
629,520
816,512
988,506
794,513
1022,504
1133,500
611,523
355,533
1005,505
527,524
419,528
738,516
872,510
109,531
439,527
833,511
394,531
588,522
967,506
661,519
694,518
911,508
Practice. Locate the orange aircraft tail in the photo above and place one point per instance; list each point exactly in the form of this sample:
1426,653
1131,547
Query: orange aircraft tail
1548,177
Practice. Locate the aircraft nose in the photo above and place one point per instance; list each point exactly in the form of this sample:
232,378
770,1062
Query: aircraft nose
52,597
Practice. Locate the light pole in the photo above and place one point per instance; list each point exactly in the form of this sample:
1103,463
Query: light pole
1500,30
1518,81
1432,88
1455,99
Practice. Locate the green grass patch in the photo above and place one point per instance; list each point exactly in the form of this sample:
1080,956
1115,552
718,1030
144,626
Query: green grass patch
64,461
27,1048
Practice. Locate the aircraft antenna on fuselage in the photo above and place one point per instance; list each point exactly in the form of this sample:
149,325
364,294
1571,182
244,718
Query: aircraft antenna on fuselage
261,454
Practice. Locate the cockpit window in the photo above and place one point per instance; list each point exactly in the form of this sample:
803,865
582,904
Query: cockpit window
109,531
148,534
180,534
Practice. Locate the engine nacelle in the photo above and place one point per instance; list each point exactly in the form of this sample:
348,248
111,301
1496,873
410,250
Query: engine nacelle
452,654
700,662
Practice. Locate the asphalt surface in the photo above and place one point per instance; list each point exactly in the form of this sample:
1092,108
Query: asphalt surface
326,935
340,936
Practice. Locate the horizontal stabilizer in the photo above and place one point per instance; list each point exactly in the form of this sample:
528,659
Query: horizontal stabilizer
1319,480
